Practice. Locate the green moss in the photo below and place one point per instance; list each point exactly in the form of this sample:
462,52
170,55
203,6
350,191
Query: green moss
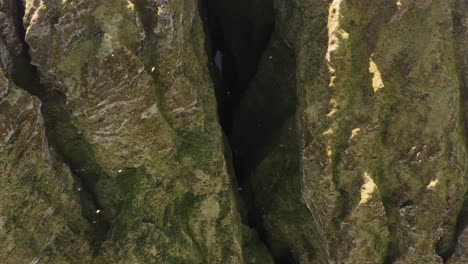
126,221
78,154
83,52
66,137
253,250
181,210
345,201
127,180
185,248
387,249
198,145
113,18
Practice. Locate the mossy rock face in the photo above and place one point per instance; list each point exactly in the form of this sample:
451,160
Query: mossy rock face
379,134
129,105
383,138
350,132
40,212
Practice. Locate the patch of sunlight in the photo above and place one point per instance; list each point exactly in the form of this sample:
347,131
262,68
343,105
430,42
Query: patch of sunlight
377,82
160,9
336,34
334,44
329,153
130,5
332,112
108,45
344,34
367,189
334,109
432,184
355,132
328,132
398,4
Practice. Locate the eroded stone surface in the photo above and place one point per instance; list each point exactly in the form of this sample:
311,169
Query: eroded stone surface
383,157
354,116
40,212
387,112
130,106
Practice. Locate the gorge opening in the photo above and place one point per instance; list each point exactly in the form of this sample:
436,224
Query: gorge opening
239,45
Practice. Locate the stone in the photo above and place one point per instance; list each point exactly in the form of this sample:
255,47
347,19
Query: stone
330,131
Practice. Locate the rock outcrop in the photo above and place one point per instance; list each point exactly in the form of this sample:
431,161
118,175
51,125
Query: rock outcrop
328,132
128,104
40,211
383,152
379,131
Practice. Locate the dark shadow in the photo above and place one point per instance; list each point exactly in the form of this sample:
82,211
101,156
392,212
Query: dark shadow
252,106
240,33
460,33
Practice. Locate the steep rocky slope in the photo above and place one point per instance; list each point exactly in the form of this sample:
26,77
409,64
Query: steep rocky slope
383,138
129,106
330,132
39,207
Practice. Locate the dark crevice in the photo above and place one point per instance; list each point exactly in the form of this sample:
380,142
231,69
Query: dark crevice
462,223
238,34
145,11
406,203
459,14
62,135
24,74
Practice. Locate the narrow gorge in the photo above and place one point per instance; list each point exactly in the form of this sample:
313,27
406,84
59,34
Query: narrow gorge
223,131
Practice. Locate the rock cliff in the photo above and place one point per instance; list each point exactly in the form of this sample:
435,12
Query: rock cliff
326,132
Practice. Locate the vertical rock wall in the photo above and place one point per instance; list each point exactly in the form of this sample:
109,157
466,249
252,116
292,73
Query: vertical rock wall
383,155
348,132
40,211
129,106
265,133
380,132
